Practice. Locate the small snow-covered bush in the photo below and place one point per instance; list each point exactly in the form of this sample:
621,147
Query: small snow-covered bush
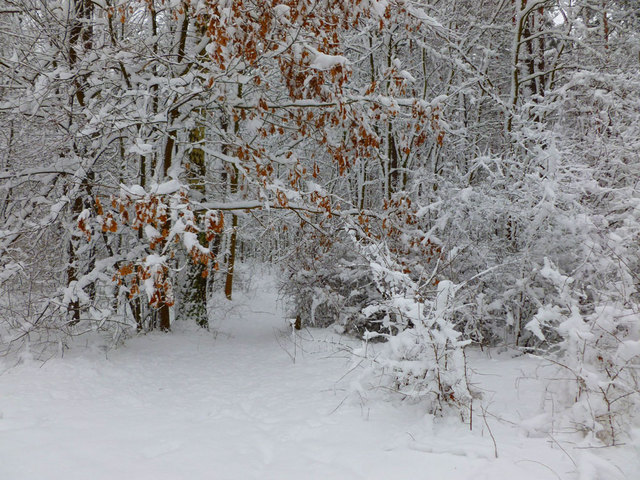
423,359
425,363
366,287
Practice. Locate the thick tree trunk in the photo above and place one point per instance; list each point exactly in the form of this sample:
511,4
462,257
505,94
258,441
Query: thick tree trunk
194,301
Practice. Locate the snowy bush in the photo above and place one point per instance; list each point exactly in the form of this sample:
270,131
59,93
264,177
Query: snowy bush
598,357
423,359
329,282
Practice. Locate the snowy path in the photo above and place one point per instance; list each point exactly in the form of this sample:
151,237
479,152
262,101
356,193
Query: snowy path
192,405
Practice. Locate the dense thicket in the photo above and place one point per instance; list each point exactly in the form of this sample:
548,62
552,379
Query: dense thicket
430,173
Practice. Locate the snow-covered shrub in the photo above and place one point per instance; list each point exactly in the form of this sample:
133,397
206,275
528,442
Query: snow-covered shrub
598,357
603,354
329,282
423,359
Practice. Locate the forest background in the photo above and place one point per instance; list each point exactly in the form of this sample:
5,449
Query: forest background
432,174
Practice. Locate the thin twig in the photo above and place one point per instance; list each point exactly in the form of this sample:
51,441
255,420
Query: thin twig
495,446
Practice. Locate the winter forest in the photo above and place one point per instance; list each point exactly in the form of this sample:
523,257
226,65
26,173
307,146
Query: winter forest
421,191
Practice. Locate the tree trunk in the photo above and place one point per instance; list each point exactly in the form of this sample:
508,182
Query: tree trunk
194,302
80,38
228,284
163,320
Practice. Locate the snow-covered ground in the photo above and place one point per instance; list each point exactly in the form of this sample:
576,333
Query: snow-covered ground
231,404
